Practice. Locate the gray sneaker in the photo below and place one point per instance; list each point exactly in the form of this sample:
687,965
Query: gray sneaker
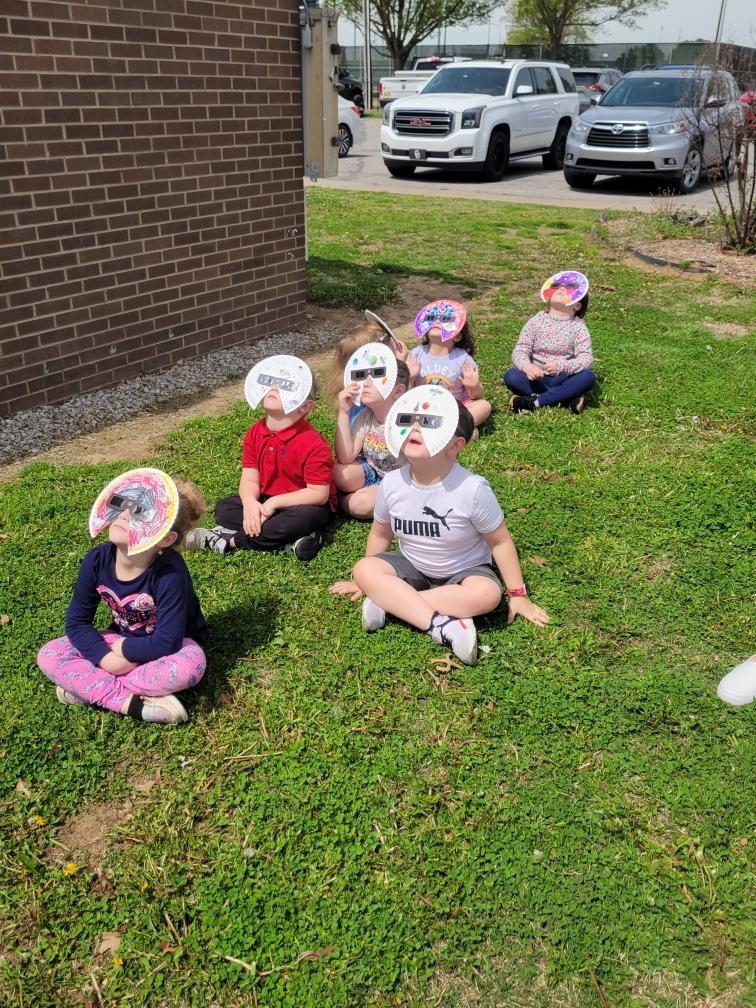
204,538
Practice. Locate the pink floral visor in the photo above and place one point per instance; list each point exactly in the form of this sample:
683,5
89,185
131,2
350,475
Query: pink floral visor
449,315
151,499
576,285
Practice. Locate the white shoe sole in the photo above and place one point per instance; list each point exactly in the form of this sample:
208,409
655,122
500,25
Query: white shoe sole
738,687
373,617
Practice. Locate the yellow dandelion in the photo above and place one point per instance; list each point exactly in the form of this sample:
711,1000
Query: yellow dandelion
144,887
39,820
70,868
117,960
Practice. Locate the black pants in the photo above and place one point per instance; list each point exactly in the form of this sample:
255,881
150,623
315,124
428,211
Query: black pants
283,527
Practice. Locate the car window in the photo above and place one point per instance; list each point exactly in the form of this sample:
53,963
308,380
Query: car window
582,78
654,92
524,79
718,90
461,80
567,79
545,83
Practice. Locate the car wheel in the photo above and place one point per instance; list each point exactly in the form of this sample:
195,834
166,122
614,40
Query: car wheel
497,159
345,140
578,179
399,169
554,160
690,175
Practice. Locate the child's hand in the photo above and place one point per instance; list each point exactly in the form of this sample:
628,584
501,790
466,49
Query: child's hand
522,606
470,376
347,396
346,588
533,372
269,508
116,664
254,516
413,365
550,368
401,350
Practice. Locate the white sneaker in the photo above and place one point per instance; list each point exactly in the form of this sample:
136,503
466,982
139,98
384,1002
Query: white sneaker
738,687
70,698
373,617
459,635
166,709
205,538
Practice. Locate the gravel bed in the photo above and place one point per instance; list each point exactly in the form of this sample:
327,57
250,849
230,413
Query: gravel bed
36,429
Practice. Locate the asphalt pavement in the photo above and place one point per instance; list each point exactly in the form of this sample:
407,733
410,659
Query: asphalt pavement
525,182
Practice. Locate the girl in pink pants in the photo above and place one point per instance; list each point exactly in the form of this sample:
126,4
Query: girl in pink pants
153,648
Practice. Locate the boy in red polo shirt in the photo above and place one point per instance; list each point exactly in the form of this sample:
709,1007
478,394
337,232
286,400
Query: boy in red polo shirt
286,493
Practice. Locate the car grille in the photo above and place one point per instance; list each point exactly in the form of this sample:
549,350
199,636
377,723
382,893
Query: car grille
408,122
608,166
436,155
633,135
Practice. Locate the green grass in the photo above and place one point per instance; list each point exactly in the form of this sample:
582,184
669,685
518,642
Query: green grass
567,823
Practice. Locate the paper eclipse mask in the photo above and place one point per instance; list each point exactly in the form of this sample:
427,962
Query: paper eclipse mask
372,317
375,361
151,499
436,411
289,374
575,283
450,315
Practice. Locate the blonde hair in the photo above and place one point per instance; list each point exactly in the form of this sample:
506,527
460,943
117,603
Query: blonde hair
365,332
191,507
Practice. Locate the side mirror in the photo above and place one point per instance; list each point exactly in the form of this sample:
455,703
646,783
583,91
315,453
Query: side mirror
596,100
524,89
714,102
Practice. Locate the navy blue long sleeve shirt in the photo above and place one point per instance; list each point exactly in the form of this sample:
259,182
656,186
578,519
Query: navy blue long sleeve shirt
153,612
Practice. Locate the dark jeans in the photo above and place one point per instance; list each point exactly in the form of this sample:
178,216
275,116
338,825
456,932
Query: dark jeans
551,389
282,528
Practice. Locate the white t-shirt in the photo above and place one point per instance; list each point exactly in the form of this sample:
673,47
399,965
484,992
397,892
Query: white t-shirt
445,371
440,527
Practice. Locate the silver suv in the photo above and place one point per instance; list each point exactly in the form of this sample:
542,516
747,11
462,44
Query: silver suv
674,124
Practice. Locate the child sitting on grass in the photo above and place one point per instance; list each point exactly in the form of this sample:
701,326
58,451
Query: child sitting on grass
446,356
153,648
448,525
374,379
553,353
286,492
372,330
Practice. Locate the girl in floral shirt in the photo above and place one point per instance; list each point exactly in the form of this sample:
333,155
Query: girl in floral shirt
553,354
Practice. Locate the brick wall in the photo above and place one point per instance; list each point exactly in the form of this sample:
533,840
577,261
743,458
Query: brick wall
151,199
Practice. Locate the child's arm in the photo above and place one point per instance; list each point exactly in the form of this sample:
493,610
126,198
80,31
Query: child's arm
347,446
172,603
380,538
522,355
317,475
582,349
505,555
252,509
88,641
413,366
471,379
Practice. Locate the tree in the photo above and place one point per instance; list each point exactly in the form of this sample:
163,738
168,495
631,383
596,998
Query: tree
553,22
403,24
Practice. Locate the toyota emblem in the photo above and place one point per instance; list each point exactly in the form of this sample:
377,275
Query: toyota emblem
618,128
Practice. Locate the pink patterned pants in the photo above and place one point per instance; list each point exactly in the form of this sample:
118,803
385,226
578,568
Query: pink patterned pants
67,667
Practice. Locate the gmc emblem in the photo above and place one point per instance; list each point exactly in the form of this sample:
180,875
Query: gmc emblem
419,121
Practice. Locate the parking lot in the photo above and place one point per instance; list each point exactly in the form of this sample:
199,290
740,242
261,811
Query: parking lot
525,182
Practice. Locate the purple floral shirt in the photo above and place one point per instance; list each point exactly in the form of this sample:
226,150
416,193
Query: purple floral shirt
545,337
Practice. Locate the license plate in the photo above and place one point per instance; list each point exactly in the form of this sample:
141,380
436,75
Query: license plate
416,154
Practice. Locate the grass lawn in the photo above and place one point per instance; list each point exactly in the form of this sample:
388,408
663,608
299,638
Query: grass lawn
568,823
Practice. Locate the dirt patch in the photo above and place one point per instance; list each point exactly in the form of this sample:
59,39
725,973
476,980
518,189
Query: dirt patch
728,330
136,439
697,258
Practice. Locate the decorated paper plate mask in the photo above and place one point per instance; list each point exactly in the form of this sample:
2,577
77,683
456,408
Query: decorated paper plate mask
576,285
434,409
289,374
151,499
372,317
450,315
374,361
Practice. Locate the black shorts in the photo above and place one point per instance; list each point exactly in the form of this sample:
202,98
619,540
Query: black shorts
422,582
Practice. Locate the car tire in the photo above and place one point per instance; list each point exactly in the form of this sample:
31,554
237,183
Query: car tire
497,158
691,172
399,169
345,140
554,160
578,179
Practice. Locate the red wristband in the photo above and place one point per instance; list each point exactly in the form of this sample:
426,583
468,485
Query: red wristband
518,592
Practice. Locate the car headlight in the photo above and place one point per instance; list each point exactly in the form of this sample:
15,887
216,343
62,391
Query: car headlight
387,115
668,129
471,117
580,127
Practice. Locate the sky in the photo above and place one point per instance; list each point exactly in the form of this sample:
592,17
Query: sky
678,21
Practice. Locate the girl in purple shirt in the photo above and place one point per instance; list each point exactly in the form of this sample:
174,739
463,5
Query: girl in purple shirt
553,354
153,647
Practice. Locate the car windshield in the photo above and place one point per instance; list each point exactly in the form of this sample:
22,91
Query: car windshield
468,80
429,64
584,78
655,92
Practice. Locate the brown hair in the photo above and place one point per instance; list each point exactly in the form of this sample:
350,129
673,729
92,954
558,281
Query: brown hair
464,340
365,332
191,507
402,375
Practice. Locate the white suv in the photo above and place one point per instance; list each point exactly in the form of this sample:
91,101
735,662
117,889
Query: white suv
479,115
